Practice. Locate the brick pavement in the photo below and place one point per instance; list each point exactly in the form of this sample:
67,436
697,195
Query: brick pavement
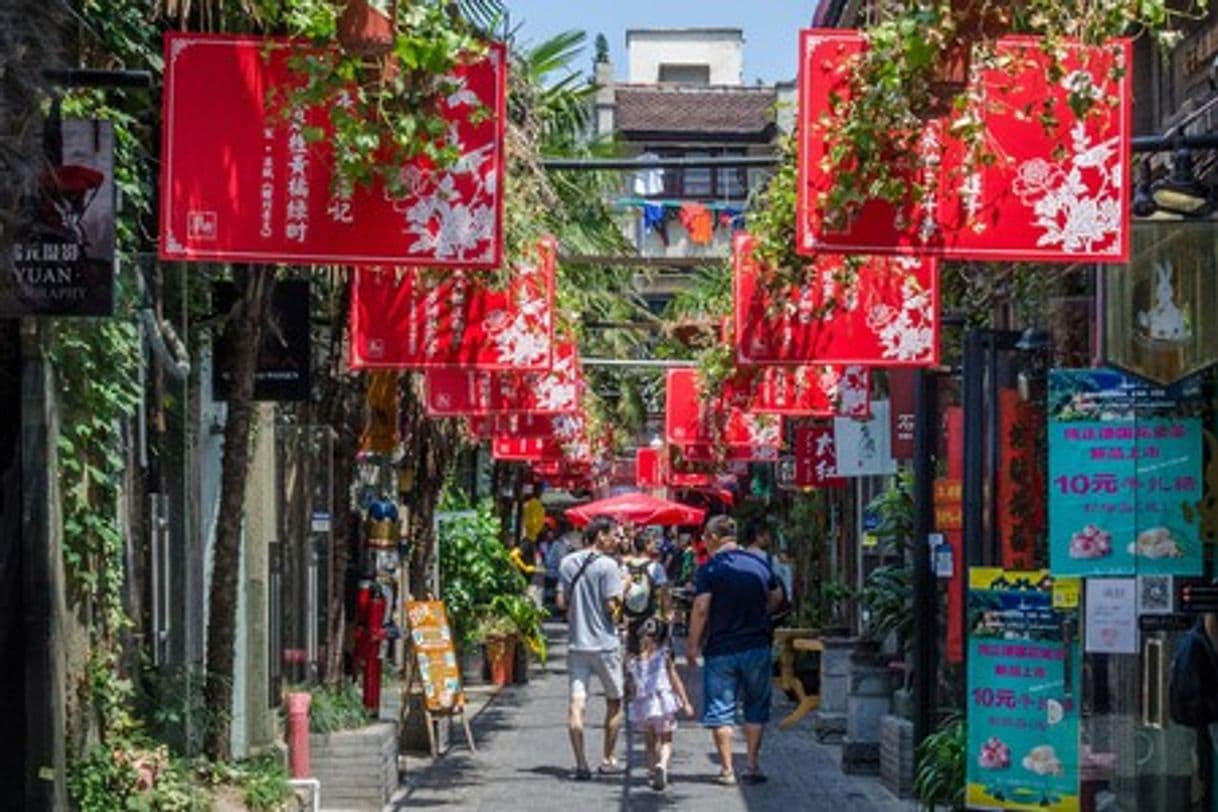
524,763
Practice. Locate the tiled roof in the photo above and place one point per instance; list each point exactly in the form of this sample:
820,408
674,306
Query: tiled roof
711,110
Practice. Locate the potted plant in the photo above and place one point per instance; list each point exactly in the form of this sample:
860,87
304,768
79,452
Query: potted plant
497,634
526,620
940,777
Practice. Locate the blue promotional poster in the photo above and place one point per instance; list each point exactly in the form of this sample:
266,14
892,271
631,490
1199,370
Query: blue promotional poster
1024,689
1125,476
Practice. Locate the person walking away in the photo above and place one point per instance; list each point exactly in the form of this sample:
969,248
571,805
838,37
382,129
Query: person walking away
656,694
734,594
645,592
760,542
559,549
590,589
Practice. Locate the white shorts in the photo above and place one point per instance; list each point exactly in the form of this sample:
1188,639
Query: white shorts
606,665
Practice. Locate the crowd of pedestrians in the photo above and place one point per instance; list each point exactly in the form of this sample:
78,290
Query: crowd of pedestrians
624,593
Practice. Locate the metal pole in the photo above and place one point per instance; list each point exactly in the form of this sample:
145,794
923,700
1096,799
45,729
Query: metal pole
974,461
925,589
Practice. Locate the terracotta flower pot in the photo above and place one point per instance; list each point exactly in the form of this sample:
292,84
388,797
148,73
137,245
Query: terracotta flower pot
366,27
501,653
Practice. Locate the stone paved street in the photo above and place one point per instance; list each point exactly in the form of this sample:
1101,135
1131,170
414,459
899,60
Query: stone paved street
524,763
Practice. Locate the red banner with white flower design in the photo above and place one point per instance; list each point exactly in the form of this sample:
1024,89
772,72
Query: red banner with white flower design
567,440
869,311
239,184
804,391
816,458
404,318
455,393
1056,192
691,422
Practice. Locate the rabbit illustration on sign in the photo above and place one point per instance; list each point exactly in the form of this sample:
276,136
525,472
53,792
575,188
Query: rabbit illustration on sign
1164,321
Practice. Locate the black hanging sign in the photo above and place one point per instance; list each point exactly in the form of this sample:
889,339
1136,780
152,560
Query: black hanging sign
62,263
284,358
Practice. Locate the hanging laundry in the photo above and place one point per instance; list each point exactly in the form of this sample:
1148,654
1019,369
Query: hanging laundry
655,219
649,182
698,222
731,217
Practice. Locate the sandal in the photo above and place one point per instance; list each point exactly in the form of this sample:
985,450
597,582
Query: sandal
726,779
659,779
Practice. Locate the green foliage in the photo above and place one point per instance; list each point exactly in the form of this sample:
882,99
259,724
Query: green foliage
264,784
940,776
130,775
337,707
895,510
525,618
888,597
474,566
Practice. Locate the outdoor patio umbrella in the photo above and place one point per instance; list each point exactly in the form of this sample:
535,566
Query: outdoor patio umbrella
637,508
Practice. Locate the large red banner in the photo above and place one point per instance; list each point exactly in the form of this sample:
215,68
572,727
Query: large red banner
455,393
874,311
690,421
568,441
1056,193
816,458
806,391
650,467
239,184
405,318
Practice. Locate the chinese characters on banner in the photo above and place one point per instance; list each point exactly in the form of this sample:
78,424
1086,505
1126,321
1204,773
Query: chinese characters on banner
803,391
239,184
874,311
1111,616
1125,477
649,467
863,446
403,318
1022,705
902,395
1057,193
1022,518
816,458
435,655
949,522
567,441
456,393
692,423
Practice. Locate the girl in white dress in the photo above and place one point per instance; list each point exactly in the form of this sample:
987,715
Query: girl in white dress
657,693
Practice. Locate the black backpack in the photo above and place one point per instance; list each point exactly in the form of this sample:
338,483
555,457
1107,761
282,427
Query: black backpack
1193,698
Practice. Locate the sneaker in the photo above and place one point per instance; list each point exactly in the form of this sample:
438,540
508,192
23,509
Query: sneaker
726,779
609,768
659,778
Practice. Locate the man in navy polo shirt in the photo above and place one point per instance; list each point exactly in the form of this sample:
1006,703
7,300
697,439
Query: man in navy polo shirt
730,625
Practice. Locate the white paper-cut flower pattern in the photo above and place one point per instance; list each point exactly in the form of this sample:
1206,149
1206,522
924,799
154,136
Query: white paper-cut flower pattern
905,333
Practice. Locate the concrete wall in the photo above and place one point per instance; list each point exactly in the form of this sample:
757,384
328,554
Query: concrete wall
720,49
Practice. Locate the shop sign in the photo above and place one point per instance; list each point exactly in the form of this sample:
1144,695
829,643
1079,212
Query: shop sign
902,394
284,371
457,392
816,458
1023,696
1022,519
949,504
240,185
1110,611
435,656
873,311
1053,194
1156,315
1125,477
408,318
864,447
689,420
62,262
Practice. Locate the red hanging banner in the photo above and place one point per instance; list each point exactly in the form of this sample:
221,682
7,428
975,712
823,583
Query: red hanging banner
902,395
402,319
568,442
806,391
1057,194
454,393
690,422
870,311
816,458
238,184
650,468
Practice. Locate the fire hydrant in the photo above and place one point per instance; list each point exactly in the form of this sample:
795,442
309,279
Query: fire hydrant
298,734
370,632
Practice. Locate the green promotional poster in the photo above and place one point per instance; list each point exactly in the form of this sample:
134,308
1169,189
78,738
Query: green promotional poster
1125,476
1024,688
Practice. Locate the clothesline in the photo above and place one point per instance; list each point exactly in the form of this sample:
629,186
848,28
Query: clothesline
639,202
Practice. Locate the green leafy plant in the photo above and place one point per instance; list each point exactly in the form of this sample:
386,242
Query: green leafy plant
526,619
888,597
940,775
334,708
895,509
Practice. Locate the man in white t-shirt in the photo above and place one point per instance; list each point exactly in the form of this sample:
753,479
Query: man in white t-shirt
590,588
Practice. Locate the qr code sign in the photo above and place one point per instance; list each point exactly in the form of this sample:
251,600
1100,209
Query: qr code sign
1154,594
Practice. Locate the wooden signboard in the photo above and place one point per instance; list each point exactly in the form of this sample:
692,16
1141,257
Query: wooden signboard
435,661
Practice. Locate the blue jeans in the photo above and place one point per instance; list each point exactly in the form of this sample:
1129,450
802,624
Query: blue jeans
729,678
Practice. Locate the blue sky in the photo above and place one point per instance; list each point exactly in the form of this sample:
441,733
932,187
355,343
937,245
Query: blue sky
770,26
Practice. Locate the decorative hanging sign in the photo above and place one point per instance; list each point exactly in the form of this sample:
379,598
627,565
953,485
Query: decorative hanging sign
404,318
238,184
690,422
685,473
381,434
816,458
1025,680
864,447
902,395
62,262
873,311
453,393
1125,476
1156,309
285,360
806,391
567,441
1056,193
650,467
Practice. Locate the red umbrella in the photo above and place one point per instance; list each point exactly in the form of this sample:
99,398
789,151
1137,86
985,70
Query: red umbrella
637,508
